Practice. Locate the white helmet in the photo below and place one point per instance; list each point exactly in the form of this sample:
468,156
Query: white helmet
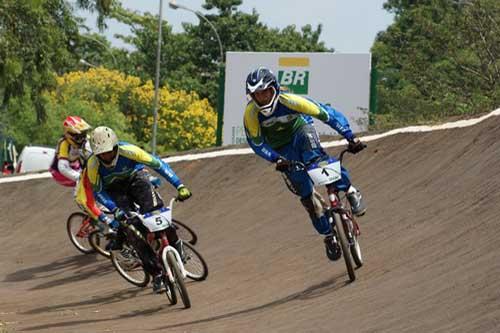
102,140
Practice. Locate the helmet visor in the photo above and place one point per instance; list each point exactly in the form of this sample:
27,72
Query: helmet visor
108,158
79,138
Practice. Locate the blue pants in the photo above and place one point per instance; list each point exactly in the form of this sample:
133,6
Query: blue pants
306,148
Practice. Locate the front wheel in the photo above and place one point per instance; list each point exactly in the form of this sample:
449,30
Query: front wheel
79,226
354,247
345,249
195,266
178,279
128,264
169,290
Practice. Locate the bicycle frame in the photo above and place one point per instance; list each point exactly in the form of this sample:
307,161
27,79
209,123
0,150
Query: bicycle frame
85,228
336,205
164,244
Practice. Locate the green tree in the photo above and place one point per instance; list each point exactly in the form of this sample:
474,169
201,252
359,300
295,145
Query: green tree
34,44
191,59
39,39
103,8
439,58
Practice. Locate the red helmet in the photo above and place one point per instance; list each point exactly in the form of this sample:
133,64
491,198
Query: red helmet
75,130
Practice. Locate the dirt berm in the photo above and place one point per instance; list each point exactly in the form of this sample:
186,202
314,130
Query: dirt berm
430,241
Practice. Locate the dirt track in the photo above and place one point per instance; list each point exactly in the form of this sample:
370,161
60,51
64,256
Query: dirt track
430,242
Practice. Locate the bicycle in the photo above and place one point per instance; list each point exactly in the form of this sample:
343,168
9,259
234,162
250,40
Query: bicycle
90,236
338,211
128,264
99,238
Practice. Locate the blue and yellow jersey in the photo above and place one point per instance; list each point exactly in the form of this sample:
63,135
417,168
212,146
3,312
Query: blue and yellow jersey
265,134
96,178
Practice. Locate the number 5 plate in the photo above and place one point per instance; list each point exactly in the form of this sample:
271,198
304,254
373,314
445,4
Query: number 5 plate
158,220
325,172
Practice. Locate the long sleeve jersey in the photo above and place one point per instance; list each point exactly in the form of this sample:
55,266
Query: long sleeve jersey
96,177
265,134
66,155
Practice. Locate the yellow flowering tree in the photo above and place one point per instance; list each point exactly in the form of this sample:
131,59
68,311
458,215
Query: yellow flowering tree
124,103
94,95
184,120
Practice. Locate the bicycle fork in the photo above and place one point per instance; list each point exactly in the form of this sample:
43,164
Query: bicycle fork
168,271
350,225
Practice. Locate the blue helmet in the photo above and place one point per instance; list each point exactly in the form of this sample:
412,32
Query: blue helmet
262,79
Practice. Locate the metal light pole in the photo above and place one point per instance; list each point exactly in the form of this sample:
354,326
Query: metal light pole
157,81
220,94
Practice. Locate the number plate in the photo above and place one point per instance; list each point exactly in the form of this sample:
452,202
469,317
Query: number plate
325,172
158,220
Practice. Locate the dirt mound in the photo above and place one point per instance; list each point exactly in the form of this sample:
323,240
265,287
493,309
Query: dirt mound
430,242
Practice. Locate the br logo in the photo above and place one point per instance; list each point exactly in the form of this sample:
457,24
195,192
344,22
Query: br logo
295,81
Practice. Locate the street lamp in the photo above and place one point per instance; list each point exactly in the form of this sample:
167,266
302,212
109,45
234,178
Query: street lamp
86,63
220,94
173,5
104,45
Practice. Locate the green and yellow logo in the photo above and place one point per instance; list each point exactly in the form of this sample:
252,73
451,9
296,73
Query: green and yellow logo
296,79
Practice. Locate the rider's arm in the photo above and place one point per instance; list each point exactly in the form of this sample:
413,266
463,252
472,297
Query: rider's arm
63,165
66,170
137,154
325,113
254,136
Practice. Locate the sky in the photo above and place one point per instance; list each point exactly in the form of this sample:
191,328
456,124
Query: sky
349,26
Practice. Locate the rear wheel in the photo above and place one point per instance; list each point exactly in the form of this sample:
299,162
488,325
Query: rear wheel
195,266
184,232
345,248
352,232
98,241
79,226
129,266
178,279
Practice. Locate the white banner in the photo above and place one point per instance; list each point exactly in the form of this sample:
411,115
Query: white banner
341,80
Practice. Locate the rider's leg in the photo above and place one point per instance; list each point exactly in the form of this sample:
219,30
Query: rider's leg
143,193
61,179
148,199
137,190
144,250
305,147
354,196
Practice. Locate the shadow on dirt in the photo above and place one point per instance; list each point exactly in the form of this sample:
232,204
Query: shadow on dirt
51,269
78,275
105,299
123,295
317,290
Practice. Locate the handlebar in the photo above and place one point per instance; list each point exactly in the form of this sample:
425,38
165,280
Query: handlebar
131,214
302,166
